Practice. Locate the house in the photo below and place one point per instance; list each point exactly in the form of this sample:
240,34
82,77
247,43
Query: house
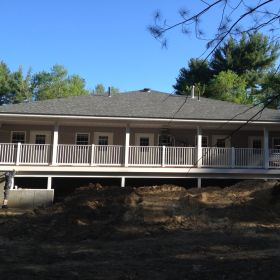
139,134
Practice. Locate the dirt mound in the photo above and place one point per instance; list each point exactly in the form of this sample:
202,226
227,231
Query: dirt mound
153,232
96,211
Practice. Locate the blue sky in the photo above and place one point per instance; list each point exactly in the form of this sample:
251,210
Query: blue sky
103,41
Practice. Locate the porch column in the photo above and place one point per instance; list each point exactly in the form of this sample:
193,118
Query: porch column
126,148
55,143
199,147
49,184
123,182
199,183
266,148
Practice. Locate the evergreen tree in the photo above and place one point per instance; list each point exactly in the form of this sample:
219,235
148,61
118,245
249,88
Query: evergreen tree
198,72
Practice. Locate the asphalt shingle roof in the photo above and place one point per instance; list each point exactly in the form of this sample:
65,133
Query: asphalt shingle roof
141,104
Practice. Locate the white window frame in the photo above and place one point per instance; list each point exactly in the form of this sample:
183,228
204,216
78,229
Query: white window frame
84,133
17,131
33,134
110,136
151,137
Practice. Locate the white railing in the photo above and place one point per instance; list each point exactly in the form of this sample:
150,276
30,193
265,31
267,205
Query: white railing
89,155
106,155
33,154
179,156
8,153
274,158
216,157
111,155
145,155
249,158
73,154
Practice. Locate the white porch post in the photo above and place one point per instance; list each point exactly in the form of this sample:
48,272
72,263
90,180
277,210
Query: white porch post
266,148
92,155
232,157
13,183
126,148
18,153
199,147
163,156
123,182
199,183
49,184
55,144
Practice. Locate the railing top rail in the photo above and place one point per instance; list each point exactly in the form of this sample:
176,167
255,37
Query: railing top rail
247,149
28,144
75,145
145,146
174,147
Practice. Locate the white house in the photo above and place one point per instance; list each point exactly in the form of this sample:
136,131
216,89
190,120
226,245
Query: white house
139,134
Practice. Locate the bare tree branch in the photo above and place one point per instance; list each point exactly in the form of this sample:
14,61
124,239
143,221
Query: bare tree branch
231,17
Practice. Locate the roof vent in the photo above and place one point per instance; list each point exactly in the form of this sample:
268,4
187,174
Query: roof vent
146,90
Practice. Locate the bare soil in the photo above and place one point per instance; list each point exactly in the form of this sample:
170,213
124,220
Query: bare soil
152,232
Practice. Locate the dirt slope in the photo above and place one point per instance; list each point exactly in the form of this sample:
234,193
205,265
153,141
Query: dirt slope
152,232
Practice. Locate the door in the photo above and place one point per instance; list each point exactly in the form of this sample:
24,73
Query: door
40,137
221,141
103,154
40,153
220,157
103,138
255,142
255,153
144,139
145,153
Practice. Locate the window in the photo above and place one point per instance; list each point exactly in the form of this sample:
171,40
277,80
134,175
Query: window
18,137
82,139
40,139
221,143
103,140
276,142
144,141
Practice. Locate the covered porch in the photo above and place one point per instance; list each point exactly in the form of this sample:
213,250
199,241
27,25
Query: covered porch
138,147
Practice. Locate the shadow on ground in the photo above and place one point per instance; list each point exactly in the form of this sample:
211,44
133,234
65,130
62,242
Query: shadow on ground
156,232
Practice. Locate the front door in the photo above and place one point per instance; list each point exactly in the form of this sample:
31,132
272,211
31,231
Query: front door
104,151
255,153
39,153
221,141
256,142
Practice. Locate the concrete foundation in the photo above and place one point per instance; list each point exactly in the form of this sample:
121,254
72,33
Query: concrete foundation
30,198
27,198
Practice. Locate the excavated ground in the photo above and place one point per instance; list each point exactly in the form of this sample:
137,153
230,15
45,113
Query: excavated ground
154,232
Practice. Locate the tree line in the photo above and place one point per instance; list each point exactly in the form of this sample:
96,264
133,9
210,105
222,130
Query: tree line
17,87
238,71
